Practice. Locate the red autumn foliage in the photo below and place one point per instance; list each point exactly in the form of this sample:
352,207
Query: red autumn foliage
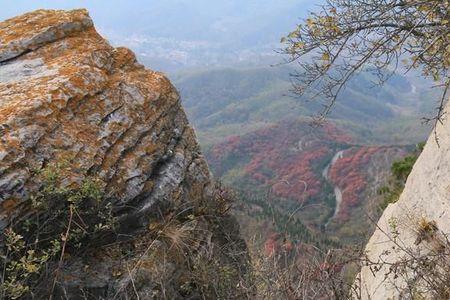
231,144
276,244
336,134
271,246
283,156
300,181
348,173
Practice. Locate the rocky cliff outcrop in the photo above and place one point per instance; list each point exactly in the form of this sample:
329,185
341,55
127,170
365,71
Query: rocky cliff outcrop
67,96
408,256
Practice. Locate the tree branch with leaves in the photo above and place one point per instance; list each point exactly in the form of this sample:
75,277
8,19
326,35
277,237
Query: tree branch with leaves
345,36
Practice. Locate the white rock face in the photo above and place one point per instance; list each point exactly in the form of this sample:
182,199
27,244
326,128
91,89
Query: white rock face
426,196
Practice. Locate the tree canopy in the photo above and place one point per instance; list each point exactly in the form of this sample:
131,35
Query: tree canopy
345,36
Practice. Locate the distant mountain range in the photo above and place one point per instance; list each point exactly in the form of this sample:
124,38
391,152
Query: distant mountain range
223,102
258,139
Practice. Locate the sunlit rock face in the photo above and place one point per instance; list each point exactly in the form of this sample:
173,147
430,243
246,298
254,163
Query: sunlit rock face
67,95
413,227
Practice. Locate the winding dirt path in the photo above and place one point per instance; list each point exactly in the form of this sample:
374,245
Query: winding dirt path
337,190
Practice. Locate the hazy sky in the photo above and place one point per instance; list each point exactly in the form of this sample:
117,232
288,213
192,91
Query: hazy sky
116,13
102,11
184,31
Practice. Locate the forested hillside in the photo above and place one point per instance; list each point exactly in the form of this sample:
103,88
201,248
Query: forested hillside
259,140
222,102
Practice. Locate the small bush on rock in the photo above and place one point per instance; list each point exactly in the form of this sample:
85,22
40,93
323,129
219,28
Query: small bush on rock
60,221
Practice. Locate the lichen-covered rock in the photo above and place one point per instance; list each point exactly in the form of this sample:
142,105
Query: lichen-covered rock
401,236
66,94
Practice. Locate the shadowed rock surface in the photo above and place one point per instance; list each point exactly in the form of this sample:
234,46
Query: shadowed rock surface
66,94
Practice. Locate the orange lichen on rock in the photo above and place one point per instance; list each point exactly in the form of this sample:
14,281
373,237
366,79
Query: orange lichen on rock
66,95
31,30
65,92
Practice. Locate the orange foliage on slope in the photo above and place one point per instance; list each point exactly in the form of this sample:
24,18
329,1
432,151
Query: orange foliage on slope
282,156
277,243
348,173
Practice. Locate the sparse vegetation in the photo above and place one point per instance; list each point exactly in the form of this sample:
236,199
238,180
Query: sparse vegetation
303,274
194,252
66,221
60,220
422,270
400,171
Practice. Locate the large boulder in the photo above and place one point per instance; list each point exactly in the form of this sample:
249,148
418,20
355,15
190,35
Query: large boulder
67,95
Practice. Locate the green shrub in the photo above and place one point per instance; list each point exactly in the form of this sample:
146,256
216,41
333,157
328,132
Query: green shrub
400,171
60,219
